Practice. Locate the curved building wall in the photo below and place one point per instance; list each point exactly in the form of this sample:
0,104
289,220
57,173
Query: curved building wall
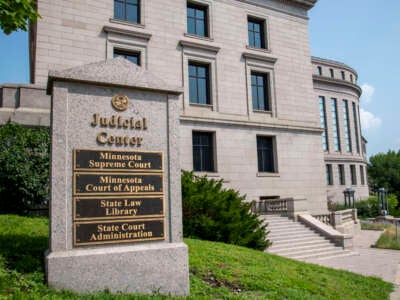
337,95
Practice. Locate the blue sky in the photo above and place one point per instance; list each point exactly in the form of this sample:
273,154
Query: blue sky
364,34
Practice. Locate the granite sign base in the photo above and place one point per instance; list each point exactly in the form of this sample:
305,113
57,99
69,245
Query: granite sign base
144,269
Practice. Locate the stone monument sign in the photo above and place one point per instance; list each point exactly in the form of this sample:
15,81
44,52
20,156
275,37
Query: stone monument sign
116,216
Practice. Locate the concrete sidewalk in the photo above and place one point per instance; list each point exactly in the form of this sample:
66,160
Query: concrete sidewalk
368,261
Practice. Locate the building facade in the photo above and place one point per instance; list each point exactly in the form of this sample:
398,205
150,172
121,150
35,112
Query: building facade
335,86
250,113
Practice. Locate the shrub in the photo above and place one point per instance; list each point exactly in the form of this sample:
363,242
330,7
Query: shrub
216,214
24,165
369,208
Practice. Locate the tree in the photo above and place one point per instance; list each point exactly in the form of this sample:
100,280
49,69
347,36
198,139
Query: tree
24,168
213,213
15,14
384,171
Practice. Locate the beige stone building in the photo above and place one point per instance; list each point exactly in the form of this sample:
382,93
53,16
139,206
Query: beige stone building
251,112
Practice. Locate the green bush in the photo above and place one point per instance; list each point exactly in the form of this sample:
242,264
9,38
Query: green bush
24,165
369,208
216,214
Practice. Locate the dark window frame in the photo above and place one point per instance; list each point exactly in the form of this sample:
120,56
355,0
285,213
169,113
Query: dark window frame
342,175
346,126
197,78
362,175
353,174
324,123
252,33
125,3
203,146
343,75
205,21
332,73
319,70
258,104
266,154
329,174
125,53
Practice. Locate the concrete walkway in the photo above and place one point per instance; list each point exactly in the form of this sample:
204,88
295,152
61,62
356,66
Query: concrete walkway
368,261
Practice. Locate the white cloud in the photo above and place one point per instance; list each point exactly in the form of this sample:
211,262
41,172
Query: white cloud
369,120
367,92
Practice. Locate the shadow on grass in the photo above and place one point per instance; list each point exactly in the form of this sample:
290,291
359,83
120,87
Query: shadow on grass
23,253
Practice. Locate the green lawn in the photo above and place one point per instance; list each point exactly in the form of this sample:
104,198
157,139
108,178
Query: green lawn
216,271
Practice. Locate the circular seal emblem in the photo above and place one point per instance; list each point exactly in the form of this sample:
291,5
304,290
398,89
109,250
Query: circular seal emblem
120,102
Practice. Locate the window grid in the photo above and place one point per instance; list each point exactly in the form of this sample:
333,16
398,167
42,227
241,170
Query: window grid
127,10
265,154
131,56
342,176
197,22
353,174
335,124
322,115
260,91
199,84
362,175
355,117
319,70
256,33
203,151
346,122
329,179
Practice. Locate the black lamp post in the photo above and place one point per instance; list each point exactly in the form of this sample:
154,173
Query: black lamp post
349,197
383,201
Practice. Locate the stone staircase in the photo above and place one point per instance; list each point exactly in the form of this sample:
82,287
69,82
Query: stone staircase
297,241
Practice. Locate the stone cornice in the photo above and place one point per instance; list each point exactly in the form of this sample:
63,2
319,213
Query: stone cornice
196,45
269,59
337,82
307,4
127,32
253,124
333,63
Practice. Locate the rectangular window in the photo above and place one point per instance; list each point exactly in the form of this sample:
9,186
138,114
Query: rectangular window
319,70
351,78
265,154
131,56
127,10
355,117
199,83
256,33
346,122
343,75
197,19
260,91
203,151
362,175
322,115
335,124
342,176
353,174
329,177
332,73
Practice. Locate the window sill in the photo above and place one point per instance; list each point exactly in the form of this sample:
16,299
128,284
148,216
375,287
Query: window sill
199,37
123,22
209,106
265,50
206,173
268,112
267,174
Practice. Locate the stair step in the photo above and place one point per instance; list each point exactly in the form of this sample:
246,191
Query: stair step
299,242
290,236
324,249
297,248
320,255
284,249
289,230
